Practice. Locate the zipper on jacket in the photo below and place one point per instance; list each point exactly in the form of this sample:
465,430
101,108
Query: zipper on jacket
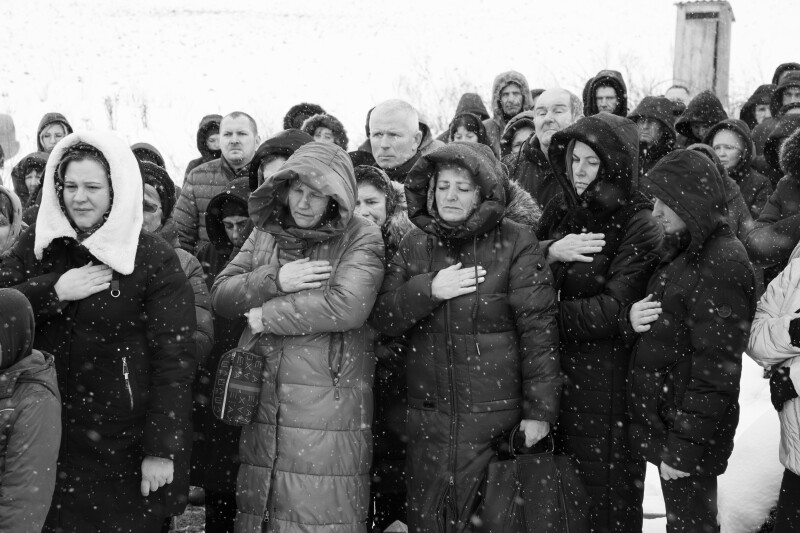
562,501
453,421
335,357
126,374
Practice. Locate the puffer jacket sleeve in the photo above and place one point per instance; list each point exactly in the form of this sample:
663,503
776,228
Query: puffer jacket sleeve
344,303
720,316
533,301
769,342
404,300
597,317
169,307
186,216
242,285
774,236
204,335
16,269
760,198
29,476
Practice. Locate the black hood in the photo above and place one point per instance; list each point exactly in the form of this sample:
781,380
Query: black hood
209,125
471,103
660,109
297,114
731,187
690,184
283,143
47,119
16,327
148,152
606,77
737,126
615,140
762,96
37,161
783,67
706,108
792,79
784,127
238,192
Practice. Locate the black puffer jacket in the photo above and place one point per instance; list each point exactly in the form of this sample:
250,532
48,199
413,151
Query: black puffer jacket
605,77
209,125
479,363
685,371
756,188
761,96
593,422
660,109
705,108
530,168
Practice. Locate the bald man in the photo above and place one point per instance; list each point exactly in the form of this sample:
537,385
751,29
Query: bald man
555,109
394,136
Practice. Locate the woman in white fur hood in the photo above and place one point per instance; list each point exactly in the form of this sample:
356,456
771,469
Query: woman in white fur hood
113,306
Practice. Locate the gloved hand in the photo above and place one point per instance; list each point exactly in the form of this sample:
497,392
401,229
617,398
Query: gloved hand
781,388
794,331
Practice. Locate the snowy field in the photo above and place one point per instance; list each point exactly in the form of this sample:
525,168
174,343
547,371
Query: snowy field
151,69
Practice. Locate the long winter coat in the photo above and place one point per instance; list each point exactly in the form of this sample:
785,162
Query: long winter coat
306,455
685,370
593,422
209,125
476,364
125,361
496,124
202,184
771,346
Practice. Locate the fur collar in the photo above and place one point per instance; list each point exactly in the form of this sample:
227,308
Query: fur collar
116,241
790,154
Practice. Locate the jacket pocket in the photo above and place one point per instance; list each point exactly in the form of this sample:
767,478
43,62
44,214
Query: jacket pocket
494,372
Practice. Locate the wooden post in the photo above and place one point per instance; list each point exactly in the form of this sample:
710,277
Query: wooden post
703,47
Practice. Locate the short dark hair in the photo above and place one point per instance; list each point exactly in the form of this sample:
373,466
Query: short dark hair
238,114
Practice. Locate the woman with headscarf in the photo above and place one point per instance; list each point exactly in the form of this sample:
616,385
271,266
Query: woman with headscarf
307,278
112,302
473,295
601,243
30,419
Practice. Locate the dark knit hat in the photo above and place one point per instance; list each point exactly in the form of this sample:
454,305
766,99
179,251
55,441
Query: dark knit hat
158,178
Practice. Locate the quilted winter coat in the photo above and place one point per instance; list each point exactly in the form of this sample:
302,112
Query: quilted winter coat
479,363
306,455
593,421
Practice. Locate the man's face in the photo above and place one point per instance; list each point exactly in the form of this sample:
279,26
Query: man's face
237,228
676,94
791,95
394,140
511,100
520,137
552,113
649,131
606,99
238,142
762,112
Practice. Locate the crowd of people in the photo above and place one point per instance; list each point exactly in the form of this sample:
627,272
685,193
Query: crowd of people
566,267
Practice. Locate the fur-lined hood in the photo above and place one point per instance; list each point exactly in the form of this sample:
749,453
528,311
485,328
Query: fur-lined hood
116,241
15,219
605,77
500,83
327,121
790,155
761,96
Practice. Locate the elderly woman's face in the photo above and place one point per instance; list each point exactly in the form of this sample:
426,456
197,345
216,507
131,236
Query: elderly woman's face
456,195
306,205
371,204
87,193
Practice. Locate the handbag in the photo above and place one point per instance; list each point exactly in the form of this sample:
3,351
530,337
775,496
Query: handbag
529,491
237,384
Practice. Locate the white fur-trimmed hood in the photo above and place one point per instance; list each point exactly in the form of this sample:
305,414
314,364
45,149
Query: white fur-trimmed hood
116,241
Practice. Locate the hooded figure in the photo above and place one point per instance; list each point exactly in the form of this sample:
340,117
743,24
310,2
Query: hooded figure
51,119
788,79
703,111
755,187
147,152
30,422
321,405
496,124
782,69
592,424
785,126
761,97
125,363
471,124
468,103
501,339
659,109
523,120
35,161
684,382
428,143
606,78
281,145
298,114
10,219
777,230
339,134
209,125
